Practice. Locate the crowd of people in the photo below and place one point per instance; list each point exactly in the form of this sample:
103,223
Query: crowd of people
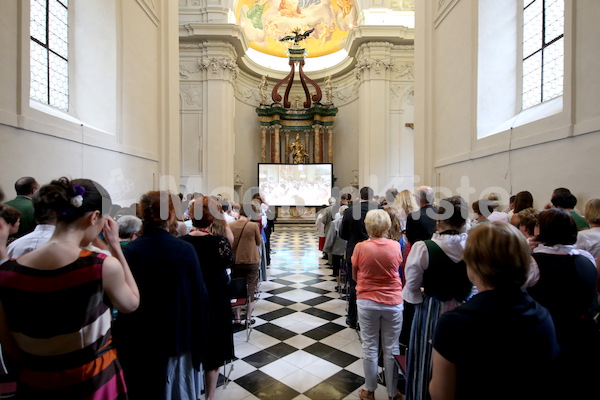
99,301
502,304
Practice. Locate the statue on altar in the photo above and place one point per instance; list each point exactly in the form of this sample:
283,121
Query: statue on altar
297,101
297,150
263,90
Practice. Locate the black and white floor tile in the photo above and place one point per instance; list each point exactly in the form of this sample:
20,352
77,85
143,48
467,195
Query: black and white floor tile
300,347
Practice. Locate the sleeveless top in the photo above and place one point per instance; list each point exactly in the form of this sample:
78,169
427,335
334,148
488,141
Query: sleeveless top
444,279
61,322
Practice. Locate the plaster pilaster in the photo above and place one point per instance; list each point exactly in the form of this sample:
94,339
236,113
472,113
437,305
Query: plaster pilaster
211,67
373,71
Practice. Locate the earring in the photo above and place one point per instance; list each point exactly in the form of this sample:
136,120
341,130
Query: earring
93,222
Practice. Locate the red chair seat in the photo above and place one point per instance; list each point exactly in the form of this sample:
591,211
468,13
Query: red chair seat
401,361
239,302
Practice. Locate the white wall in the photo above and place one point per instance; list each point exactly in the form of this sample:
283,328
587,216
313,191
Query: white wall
247,140
121,93
555,151
345,142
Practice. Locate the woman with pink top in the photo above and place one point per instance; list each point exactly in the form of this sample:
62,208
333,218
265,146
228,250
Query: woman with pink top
379,299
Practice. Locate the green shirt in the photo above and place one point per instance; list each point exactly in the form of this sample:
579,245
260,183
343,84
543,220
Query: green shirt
580,221
25,206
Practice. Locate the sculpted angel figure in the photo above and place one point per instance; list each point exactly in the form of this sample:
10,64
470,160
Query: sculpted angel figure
297,100
263,89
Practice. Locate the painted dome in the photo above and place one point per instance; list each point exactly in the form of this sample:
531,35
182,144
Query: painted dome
264,22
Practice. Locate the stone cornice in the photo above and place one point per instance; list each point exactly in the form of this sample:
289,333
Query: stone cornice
195,36
398,35
190,35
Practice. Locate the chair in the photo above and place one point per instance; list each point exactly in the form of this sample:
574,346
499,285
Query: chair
344,277
240,299
257,292
343,287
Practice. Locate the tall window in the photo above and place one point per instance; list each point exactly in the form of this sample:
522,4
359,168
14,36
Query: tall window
543,50
49,56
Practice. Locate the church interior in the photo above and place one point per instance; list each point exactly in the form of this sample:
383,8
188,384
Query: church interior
192,95
164,95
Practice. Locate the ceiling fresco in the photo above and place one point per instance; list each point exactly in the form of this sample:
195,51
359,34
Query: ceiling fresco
266,21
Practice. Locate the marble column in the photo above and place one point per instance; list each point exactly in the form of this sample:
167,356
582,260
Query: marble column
276,143
263,144
287,148
308,147
271,144
330,144
318,144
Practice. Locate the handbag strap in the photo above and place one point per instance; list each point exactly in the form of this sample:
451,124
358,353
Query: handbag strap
236,242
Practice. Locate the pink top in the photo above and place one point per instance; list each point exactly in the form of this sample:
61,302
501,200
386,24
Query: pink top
377,263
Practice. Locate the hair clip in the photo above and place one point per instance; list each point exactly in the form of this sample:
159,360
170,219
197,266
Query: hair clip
77,200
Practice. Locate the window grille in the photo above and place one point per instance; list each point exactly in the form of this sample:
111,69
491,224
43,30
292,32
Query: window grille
543,51
49,53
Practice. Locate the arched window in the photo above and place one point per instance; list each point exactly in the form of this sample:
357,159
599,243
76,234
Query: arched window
49,52
543,51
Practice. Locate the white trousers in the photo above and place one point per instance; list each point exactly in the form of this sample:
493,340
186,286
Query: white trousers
377,320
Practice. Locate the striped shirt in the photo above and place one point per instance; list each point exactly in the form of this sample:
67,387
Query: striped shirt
61,322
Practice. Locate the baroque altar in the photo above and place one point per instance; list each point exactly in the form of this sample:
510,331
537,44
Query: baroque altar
296,128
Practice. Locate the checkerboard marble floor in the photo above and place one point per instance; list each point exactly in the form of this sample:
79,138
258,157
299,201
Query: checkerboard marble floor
300,347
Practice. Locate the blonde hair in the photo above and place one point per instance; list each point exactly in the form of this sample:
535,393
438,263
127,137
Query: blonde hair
592,211
493,200
405,201
395,231
528,218
499,254
378,223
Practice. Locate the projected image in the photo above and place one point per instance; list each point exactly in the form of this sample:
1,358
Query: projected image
295,184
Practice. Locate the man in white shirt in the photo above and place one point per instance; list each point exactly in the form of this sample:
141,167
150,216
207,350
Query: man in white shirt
46,220
226,211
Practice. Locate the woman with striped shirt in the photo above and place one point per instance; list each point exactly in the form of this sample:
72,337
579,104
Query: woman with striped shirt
55,302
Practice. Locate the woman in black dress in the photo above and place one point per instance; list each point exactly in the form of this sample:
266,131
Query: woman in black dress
501,343
161,345
215,256
567,288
